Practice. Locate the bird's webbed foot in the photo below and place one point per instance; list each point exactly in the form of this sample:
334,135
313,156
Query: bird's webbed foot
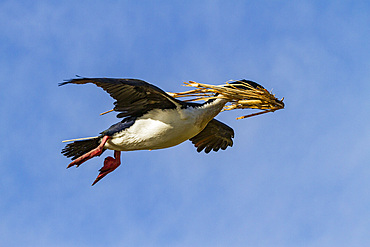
110,164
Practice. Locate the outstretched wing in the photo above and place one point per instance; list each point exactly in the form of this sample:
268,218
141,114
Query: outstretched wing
133,97
214,136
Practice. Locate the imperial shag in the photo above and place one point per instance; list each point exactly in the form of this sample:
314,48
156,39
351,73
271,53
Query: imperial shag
152,119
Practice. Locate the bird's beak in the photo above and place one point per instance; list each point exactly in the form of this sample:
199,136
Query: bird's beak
279,104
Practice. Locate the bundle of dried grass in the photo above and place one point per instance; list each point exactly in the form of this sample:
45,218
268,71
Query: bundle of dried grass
240,95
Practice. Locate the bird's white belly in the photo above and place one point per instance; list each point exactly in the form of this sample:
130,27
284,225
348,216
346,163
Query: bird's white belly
157,130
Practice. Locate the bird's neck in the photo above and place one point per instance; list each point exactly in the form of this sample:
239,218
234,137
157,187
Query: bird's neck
215,105
210,109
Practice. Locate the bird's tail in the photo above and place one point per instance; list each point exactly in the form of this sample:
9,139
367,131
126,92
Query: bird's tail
79,148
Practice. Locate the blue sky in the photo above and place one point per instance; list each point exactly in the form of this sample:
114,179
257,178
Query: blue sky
296,177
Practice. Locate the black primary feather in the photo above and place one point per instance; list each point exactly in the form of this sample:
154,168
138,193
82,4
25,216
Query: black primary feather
133,97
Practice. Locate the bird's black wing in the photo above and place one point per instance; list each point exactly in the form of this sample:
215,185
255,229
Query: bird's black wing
133,97
214,136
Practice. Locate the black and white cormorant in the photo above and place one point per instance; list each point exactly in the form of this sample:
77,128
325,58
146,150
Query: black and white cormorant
152,119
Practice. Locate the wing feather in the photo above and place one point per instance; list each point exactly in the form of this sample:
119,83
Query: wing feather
133,97
214,136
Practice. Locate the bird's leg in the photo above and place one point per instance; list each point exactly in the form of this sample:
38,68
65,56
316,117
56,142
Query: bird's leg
110,164
95,152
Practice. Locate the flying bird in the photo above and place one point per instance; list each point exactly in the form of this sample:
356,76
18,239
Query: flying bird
153,119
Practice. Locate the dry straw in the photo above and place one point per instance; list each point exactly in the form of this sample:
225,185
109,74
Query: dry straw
240,95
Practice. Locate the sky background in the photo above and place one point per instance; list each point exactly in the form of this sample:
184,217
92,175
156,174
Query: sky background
296,177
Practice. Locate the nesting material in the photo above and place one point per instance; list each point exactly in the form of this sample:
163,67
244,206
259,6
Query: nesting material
240,95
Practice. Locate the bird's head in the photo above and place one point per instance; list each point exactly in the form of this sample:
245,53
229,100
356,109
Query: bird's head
250,94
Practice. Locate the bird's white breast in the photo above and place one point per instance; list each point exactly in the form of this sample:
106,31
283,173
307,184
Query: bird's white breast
156,130
162,129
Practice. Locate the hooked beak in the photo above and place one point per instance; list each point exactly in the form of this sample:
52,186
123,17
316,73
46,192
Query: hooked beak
279,103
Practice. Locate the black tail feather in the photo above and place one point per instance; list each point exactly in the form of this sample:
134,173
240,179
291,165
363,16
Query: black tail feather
79,148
